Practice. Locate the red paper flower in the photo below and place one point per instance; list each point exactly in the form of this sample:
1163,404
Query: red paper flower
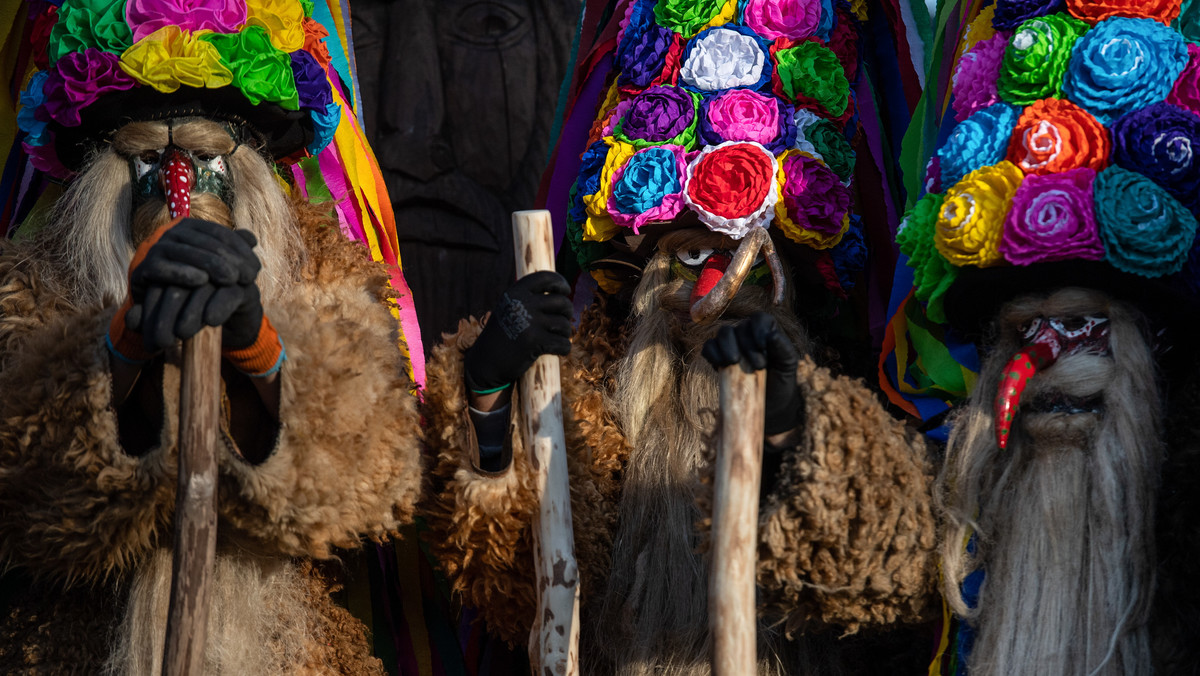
1095,11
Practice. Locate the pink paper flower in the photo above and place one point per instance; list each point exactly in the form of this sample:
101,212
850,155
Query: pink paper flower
220,16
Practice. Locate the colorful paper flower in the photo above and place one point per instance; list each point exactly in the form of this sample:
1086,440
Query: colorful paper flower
976,74
39,37
1188,21
648,187
282,19
830,144
78,79
170,58
1037,57
810,76
978,141
99,24
725,57
932,273
260,71
849,255
744,115
28,118
599,226
843,42
813,206
325,124
1124,64
1145,231
972,216
1012,13
659,115
1095,11
1186,92
220,16
731,187
1055,135
1052,219
312,86
688,17
314,42
1158,142
642,52
788,19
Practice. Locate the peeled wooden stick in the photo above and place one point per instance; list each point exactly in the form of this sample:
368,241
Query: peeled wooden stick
195,505
731,610
554,642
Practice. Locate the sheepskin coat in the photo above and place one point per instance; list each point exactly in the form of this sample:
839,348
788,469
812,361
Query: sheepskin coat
846,534
78,513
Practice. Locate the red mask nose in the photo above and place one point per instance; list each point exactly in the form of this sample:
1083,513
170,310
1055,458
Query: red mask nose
177,176
710,274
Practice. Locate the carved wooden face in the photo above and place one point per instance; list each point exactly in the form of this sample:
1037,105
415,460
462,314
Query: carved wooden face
458,99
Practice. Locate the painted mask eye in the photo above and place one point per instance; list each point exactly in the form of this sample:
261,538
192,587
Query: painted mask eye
213,163
695,257
147,162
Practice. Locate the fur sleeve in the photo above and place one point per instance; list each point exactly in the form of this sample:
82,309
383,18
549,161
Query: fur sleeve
481,523
347,463
846,537
73,505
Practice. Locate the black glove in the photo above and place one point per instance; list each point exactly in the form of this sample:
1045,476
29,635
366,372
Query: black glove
531,319
759,343
198,274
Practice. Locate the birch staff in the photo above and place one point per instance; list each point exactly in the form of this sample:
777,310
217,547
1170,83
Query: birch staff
731,609
554,642
195,505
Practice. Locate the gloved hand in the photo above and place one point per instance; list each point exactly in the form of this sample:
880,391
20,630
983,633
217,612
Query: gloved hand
192,274
759,343
531,319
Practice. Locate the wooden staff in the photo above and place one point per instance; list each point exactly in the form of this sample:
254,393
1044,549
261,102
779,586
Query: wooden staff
554,642
195,505
732,615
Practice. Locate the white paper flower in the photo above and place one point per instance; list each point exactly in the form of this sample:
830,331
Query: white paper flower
722,59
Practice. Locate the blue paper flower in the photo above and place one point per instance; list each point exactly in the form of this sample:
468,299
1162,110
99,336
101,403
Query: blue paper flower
649,176
1124,64
1157,142
325,123
31,100
642,52
588,181
850,254
1012,13
980,140
1145,231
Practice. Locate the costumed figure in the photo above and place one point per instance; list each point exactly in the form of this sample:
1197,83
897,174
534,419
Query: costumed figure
188,136
1057,230
713,200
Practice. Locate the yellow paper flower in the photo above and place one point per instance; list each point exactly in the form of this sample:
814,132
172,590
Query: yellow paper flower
728,14
600,226
283,19
859,9
972,218
980,29
170,57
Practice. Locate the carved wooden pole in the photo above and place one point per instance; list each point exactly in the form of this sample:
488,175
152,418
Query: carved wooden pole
195,505
554,642
732,615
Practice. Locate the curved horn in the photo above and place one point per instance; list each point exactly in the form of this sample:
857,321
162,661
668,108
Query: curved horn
778,280
713,304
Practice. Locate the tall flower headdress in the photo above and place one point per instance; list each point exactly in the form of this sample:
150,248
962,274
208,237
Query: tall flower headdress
281,72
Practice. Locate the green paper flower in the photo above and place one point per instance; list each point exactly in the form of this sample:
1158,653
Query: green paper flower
99,24
1188,22
307,6
686,17
1036,58
833,146
811,72
932,273
260,71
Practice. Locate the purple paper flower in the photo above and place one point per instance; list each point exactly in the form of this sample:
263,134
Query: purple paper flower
219,16
1012,13
78,79
311,83
642,51
659,115
1052,218
1157,142
975,76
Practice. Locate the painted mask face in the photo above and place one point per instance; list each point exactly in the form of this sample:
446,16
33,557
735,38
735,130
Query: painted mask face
172,174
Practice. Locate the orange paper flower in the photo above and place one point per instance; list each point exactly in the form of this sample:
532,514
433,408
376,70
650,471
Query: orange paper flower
1095,11
1053,135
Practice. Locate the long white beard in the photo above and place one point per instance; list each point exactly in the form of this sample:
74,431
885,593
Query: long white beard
1064,518
259,621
